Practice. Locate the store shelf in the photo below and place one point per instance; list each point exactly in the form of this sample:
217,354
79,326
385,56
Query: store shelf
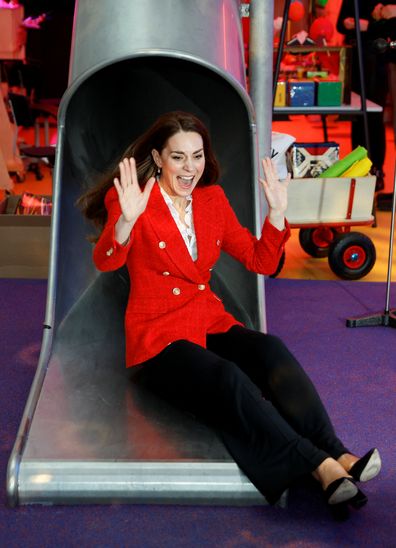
353,108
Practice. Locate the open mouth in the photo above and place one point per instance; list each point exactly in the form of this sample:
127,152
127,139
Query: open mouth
185,181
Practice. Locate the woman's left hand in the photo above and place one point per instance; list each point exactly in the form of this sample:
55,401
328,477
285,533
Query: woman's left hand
275,193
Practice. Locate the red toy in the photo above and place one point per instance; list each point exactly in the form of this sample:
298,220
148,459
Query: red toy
296,11
322,30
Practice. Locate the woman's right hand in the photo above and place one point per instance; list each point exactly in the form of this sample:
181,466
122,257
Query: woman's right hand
133,200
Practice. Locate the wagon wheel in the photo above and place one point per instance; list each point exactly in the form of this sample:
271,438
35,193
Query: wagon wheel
351,255
280,266
316,241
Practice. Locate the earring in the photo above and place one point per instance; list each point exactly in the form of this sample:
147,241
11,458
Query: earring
158,171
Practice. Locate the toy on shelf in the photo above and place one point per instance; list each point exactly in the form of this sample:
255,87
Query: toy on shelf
313,70
301,93
301,39
296,10
321,30
280,95
329,91
323,73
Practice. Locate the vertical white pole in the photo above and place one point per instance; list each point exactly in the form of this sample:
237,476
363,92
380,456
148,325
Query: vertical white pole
260,81
260,69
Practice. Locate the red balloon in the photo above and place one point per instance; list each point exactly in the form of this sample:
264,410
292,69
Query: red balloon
321,29
296,11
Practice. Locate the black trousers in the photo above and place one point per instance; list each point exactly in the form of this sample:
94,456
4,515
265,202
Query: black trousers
376,84
250,388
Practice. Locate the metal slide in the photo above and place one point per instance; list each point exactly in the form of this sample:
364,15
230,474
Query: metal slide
89,432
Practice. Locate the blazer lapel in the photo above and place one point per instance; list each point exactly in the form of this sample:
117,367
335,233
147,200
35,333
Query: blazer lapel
166,229
205,225
205,214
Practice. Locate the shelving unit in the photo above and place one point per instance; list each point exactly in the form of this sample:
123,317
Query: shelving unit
353,108
359,106
344,61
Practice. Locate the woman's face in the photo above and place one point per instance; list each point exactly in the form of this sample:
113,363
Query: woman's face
182,163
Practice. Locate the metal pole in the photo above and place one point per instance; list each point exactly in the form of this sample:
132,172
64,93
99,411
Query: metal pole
391,238
260,69
260,80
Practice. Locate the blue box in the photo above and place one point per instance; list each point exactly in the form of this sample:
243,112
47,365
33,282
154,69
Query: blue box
301,93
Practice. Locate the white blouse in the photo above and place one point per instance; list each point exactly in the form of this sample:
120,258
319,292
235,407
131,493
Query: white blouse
187,232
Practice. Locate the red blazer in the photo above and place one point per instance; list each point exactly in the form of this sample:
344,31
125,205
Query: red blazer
170,297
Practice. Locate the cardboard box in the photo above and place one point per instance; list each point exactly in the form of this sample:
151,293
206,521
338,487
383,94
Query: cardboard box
24,242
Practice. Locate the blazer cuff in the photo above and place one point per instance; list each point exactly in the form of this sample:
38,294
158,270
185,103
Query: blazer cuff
274,233
108,253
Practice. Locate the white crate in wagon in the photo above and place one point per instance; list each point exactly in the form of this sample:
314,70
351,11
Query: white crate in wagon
324,210
331,201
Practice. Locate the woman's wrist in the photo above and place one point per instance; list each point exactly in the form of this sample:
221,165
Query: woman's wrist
277,219
123,229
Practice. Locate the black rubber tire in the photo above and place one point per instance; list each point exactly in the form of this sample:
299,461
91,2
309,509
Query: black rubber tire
352,255
309,238
280,265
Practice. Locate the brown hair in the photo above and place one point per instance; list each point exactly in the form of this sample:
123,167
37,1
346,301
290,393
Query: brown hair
156,137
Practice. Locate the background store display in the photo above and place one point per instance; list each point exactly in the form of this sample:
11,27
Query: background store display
47,33
311,159
33,204
351,160
313,76
280,144
375,76
296,11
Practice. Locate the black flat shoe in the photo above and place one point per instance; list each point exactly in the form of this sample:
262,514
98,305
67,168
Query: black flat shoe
367,467
340,491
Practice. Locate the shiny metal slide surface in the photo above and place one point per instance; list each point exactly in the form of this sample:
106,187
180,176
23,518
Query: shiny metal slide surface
89,432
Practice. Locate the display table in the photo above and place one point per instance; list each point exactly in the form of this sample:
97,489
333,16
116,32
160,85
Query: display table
354,108
24,242
347,111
